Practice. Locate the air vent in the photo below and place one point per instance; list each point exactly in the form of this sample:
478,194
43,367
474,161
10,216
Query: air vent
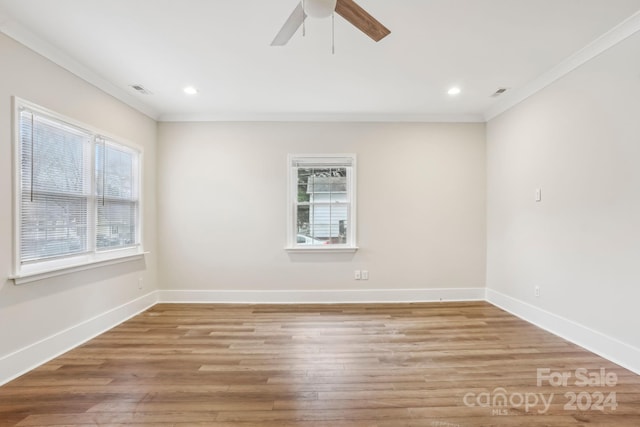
499,92
141,89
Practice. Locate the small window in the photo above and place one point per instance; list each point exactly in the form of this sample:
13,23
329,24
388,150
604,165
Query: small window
322,207
77,192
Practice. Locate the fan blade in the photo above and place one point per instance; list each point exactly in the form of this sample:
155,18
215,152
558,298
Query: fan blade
290,26
359,17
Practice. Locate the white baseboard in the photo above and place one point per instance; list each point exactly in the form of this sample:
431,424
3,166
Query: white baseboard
322,296
17,363
22,361
611,349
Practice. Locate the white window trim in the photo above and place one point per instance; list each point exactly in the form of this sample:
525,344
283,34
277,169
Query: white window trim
79,263
30,272
292,184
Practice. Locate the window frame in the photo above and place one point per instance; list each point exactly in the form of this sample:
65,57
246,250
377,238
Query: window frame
292,197
105,141
25,272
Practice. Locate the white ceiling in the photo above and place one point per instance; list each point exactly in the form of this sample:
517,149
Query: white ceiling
222,47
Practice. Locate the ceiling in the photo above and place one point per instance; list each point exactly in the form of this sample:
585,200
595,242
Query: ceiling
222,47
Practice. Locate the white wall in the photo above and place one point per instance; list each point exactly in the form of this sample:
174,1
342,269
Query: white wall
579,140
35,311
222,206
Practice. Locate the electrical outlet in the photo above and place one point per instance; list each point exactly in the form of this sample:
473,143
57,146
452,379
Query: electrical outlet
537,291
365,274
356,274
140,283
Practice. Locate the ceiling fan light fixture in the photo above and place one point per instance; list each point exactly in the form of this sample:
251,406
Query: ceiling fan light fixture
319,8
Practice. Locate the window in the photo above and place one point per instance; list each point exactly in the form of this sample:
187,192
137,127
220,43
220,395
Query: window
117,195
77,193
322,198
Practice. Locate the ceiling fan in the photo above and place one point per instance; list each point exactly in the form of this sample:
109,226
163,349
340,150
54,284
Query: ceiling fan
348,9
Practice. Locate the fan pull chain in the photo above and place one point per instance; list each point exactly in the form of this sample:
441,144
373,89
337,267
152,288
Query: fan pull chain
304,16
333,33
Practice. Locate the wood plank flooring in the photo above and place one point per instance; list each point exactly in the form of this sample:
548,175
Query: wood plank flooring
435,364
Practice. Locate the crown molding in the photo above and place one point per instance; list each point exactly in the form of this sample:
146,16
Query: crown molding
620,32
614,36
322,117
17,32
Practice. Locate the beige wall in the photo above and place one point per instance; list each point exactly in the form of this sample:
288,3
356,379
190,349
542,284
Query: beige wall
579,140
37,310
439,205
222,206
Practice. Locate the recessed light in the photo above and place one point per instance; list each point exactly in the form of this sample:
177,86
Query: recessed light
190,90
454,91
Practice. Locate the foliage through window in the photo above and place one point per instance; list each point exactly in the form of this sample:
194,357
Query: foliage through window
322,194
78,191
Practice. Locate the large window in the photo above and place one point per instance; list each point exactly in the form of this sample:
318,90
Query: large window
77,193
322,207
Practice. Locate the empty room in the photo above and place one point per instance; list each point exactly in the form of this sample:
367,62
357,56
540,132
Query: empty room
320,213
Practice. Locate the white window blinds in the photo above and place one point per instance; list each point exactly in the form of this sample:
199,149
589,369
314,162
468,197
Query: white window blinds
78,191
117,195
56,187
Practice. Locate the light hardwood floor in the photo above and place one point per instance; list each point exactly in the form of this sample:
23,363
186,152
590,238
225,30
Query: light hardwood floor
435,365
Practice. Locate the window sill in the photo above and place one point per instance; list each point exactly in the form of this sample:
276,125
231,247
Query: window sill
33,276
322,249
